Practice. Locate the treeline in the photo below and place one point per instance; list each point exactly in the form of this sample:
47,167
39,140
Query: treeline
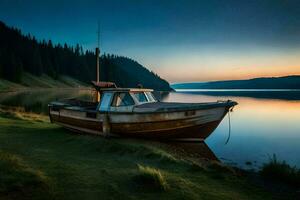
24,53
129,73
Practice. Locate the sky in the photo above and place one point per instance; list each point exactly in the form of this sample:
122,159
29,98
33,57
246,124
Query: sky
181,40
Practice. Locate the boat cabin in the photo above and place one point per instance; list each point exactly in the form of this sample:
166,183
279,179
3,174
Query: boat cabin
123,99
112,99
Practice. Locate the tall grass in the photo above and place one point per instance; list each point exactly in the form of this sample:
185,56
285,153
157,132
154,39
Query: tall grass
151,178
17,179
19,113
281,171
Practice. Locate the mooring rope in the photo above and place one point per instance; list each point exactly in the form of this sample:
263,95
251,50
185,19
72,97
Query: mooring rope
229,126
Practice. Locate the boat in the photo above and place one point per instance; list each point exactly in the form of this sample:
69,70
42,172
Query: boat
136,112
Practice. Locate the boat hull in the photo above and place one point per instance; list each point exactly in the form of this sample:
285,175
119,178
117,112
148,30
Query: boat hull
192,124
198,132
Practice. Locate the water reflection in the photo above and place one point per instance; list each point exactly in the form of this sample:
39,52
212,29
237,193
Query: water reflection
191,150
284,94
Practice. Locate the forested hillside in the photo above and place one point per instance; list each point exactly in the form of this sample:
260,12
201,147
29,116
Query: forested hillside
20,53
285,82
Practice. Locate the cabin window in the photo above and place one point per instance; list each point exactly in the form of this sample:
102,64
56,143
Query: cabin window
105,101
140,96
150,97
122,99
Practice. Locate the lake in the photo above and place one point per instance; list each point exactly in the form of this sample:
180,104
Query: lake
263,124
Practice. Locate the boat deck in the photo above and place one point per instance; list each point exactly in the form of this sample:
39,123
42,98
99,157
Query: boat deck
174,106
73,104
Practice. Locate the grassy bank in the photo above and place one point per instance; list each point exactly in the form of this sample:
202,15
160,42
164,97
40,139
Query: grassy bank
43,81
39,160
281,171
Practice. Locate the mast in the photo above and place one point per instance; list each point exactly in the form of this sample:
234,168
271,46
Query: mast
97,61
97,54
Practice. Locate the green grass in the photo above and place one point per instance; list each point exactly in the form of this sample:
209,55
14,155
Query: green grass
281,171
18,180
40,160
6,85
151,178
43,81
72,82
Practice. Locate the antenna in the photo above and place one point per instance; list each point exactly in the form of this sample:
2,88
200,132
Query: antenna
98,35
97,61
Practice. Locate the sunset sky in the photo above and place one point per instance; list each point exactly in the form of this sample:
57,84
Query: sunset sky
182,40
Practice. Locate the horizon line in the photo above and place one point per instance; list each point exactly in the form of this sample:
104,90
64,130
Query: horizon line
237,79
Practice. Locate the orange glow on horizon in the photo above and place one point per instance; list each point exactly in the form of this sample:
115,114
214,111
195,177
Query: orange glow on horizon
220,75
222,63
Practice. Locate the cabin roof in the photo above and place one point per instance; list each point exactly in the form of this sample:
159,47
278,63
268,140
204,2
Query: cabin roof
100,85
110,86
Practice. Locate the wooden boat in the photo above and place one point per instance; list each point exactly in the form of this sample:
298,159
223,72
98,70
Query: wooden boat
135,112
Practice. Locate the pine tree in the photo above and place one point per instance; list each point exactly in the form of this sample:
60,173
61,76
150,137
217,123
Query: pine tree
19,71
36,61
14,72
1,67
1,76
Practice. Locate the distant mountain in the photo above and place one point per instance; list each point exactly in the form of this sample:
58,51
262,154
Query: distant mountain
129,72
286,82
21,54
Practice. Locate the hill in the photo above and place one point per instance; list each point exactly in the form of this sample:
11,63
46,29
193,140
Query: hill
44,81
20,54
286,82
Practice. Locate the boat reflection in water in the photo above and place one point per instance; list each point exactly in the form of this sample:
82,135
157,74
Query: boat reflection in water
196,151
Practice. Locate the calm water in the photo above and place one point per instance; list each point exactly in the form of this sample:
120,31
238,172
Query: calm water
260,127
264,123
